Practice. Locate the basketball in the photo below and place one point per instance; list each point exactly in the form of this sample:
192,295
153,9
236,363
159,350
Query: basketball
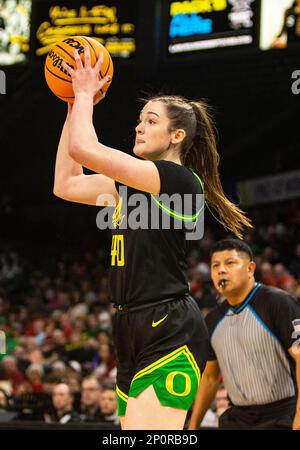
58,79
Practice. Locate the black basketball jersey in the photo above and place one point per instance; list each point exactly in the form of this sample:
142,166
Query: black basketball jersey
149,238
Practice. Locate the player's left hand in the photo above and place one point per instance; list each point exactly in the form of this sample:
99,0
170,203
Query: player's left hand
85,78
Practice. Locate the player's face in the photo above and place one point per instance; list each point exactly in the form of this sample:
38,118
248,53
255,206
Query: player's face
234,268
153,138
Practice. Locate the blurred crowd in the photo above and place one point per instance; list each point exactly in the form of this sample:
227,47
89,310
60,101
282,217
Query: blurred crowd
60,362
59,351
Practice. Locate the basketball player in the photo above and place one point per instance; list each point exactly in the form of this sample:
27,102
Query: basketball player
160,337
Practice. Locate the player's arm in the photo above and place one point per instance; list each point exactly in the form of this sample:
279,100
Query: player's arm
207,390
70,183
294,351
87,151
84,146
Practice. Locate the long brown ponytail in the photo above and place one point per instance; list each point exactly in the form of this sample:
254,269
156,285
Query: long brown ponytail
199,152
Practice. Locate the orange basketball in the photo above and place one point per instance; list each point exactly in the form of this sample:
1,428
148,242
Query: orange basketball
58,79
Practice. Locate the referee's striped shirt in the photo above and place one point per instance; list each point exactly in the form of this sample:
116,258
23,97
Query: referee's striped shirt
250,343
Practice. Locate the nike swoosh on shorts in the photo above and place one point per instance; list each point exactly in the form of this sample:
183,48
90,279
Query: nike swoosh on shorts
154,324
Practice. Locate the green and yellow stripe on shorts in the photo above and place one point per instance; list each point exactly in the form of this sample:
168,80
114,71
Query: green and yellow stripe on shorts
122,401
175,379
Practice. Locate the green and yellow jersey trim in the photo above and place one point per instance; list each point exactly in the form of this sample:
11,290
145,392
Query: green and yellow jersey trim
184,217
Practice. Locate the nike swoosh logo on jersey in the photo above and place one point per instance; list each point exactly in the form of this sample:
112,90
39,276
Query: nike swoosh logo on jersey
154,324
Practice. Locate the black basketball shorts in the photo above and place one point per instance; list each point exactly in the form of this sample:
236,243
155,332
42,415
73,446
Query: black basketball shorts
165,345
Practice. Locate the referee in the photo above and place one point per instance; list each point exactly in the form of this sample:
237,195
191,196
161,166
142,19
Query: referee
253,344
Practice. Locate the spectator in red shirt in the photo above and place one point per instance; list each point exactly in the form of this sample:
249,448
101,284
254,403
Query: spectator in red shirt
34,375
267,276
285,281
11,371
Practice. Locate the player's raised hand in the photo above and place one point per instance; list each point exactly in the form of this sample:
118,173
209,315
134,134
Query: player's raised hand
85,78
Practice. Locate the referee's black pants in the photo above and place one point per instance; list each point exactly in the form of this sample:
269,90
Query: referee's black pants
272,416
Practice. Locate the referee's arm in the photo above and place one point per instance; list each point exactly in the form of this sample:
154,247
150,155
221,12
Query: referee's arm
207,390
294,351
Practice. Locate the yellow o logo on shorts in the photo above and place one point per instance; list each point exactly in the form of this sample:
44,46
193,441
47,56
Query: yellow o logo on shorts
170,381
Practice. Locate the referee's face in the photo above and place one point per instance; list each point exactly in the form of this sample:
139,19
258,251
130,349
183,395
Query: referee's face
231,271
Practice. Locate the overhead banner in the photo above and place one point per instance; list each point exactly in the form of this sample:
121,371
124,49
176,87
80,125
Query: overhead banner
270,189
111,22
210,24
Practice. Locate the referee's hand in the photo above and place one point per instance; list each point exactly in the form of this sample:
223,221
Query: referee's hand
296,422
